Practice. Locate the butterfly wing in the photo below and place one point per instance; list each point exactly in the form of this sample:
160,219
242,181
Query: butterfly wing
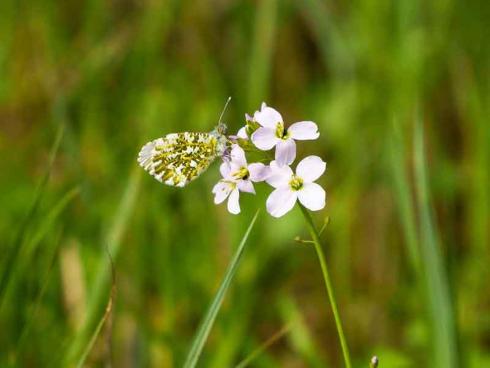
179,158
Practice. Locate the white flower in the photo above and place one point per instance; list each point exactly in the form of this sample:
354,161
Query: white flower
300,186
242,132
238,176
227,189
273,134
238,170
250,126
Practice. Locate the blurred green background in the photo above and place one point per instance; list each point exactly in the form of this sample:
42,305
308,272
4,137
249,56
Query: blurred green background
400,90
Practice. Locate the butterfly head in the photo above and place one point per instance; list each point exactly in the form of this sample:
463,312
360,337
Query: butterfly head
221,128
221,140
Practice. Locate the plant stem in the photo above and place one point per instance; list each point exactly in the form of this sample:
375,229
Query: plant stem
328,284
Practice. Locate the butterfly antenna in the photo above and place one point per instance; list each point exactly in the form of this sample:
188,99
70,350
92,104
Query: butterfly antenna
224,109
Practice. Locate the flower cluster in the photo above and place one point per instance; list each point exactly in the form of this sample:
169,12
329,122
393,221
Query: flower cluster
264,131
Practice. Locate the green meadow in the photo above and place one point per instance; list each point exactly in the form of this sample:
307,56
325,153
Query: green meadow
101,265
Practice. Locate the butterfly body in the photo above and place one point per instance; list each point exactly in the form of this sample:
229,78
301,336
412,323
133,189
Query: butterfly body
178,158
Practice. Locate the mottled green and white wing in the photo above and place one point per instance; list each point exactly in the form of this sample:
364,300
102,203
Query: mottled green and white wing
179,158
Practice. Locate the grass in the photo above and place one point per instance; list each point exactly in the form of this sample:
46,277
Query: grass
208,320
408,206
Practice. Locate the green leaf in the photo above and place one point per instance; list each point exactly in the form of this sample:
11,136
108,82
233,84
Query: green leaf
208,321
435,277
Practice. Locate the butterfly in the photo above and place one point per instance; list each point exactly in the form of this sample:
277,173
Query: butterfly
178,158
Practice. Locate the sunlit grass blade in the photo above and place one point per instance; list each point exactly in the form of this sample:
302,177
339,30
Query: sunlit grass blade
103,320
208,321
10,259
404,198
113,244
270,341
435,277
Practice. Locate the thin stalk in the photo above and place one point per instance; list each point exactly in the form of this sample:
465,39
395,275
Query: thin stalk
328,284
271,340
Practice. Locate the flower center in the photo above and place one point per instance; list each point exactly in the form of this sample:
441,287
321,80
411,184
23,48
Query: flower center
296,183
281,132
242,174
231,184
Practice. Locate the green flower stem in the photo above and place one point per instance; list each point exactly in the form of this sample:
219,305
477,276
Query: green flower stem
328,284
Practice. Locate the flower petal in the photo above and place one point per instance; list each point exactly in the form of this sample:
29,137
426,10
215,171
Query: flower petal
258,172
304,130
310,168
242,133
264,138
221,191
285,152
225,170
246,186
312,196
238,155
233,202
279,176
268,117
281,201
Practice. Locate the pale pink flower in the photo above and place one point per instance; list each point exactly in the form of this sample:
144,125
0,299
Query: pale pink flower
227,189
237,169
291,187
238,176
272,133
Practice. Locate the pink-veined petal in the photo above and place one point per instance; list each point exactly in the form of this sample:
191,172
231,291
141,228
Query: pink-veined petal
225,169
268,117
304,130
242,133
281,201
238,155
285,152
258,172
312,196
246,186
279,176
264,138
310,168
233,202
221,191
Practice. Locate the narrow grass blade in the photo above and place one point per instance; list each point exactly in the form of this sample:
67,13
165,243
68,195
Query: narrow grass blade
270,341
48,222
103,320
436,280
208,321
404,198
34,310
14,250
113,244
